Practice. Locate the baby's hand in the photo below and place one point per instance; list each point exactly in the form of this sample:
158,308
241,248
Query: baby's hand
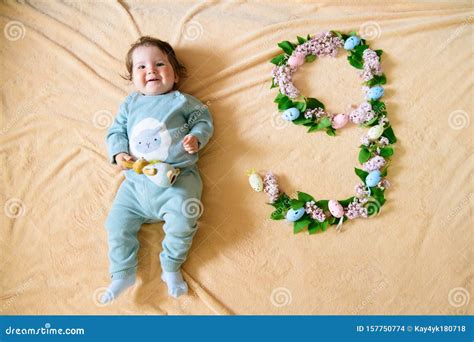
121,158
190,144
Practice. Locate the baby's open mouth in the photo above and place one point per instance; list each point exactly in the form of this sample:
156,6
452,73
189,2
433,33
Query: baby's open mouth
152,80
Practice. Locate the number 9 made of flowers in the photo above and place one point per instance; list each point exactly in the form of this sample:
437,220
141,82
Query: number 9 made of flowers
305,211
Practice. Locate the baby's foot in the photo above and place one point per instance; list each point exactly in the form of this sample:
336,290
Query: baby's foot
116,288
176,285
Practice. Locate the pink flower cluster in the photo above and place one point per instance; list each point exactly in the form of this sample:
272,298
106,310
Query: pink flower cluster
283,77
270,186
361,190
371,65
323,44
315,212
361,114
355,210
375,163
315,113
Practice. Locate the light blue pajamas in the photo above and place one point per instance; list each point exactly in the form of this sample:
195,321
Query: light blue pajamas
153,127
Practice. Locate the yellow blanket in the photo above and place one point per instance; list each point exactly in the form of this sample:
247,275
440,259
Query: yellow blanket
61,87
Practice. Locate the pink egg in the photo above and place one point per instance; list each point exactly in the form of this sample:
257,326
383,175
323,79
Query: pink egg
296,60
336,208
340,120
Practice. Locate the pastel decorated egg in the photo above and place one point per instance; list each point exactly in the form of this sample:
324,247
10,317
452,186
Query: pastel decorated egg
340,120
375,132
375,93
291,114
351,42
336,208
294,215
373,178
296,60
256,182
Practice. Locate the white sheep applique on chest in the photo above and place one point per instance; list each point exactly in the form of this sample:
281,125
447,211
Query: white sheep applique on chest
150,141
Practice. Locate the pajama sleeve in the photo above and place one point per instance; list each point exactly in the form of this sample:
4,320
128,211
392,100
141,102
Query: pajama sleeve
117,137
199,120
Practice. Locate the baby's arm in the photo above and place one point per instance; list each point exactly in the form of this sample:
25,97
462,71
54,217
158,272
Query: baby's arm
200,124
117,138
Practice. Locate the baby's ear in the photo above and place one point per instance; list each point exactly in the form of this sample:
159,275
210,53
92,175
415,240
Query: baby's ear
176,78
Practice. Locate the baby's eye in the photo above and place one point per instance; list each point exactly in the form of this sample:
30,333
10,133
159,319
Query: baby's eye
160,64
141,67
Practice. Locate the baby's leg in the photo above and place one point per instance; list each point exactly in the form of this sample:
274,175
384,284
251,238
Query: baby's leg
180,211
123,223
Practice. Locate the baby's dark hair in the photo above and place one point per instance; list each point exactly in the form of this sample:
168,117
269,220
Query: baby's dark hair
178,67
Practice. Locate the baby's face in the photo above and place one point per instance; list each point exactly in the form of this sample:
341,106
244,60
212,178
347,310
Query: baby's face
153,74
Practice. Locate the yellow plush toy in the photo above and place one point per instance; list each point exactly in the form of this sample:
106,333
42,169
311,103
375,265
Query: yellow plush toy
162,174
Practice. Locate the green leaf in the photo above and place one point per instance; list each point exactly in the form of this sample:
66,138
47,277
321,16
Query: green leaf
378,107
287,46
281,202
309,58
379,52
313,128
324,225
337,33
371,122
284,104
323,204
279,97
278,59
390,135
302,196
298,226
296,204
376,80
331,132
347,201
386,151
313,103
308,37
314,227
300,105
378,194
273,84
384,172
352,33
364,155
301,40
359,49
277,215
355,63
361,173
302,121
324,123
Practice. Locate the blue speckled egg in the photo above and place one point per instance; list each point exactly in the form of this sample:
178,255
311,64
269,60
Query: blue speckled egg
291,114
351,42
294,215
375,93
373,178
